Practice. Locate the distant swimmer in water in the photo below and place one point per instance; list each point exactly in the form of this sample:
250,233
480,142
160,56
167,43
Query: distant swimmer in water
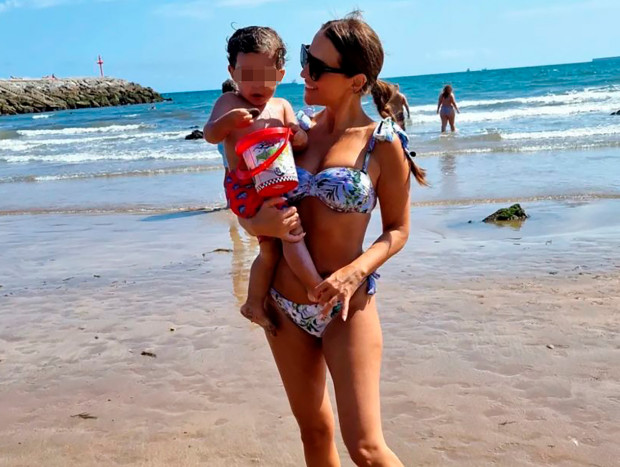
446,107
398,104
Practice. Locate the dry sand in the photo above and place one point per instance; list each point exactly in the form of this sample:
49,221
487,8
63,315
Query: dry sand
500,349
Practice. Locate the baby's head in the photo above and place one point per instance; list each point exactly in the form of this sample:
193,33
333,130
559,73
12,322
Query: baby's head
256,58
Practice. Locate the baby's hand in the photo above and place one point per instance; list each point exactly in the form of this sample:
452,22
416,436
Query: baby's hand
239,118
299,139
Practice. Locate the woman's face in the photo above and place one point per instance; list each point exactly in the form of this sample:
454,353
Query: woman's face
329,88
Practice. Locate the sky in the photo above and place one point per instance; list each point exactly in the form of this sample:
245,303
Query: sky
179,45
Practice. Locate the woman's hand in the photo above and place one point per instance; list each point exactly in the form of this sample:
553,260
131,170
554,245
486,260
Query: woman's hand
299,139
271,221
338,288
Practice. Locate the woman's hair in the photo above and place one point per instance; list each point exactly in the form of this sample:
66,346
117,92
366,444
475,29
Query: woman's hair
447,90
361,51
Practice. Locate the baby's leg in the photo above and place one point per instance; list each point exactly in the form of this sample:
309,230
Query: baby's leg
261,275
298,258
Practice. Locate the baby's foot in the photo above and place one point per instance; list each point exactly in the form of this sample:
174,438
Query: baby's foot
255,312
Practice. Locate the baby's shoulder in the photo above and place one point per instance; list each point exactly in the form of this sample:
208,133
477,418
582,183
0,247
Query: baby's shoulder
280,102
230,100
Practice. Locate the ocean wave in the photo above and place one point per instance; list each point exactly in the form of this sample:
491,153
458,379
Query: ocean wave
118,174
510,114
570,133
14,145
40,116
83,130
127,209
594,95
29,144
517,148
77,158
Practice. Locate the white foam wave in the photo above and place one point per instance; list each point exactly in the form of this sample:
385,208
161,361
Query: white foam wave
37,117
13,145
508,114
77,158
571,133
83,130
603,94
551,146
26,145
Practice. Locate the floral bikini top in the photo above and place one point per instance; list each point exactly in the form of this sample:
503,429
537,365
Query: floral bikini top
346,189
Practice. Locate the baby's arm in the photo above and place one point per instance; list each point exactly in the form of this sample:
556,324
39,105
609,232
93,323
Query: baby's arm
225,117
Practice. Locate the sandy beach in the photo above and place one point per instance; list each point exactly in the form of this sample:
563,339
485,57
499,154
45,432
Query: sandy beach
501,344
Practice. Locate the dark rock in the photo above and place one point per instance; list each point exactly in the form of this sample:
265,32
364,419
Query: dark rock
196,134
46,95
617,112
513,213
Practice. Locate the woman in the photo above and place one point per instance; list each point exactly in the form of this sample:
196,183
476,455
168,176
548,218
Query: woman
397,105
446,107
351,161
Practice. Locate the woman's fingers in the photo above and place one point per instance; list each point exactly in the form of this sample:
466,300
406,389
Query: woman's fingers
329,306
294,238
344,313
273,202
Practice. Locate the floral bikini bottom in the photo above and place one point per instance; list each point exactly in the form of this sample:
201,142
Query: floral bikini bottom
308,316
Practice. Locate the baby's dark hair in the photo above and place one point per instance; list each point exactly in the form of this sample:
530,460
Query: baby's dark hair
256,39
229,86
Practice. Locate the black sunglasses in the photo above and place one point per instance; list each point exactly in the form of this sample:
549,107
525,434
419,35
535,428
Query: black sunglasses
316,67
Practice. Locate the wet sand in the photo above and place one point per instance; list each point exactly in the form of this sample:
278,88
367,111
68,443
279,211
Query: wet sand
500,343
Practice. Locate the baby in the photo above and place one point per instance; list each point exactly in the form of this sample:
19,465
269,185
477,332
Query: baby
256,58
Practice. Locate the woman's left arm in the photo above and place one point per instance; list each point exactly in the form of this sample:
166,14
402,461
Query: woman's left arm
454,103
393,191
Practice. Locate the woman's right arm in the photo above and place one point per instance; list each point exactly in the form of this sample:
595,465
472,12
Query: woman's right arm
439,103
271,221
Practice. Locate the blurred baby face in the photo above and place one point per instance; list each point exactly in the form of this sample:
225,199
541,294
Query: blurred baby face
257,76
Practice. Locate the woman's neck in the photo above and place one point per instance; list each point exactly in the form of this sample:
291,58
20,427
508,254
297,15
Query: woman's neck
346,114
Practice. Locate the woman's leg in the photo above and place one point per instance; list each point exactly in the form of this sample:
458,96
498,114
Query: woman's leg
444,121
300,361
352,351
451,120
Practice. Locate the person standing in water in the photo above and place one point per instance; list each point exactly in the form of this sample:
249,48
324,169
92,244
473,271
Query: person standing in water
446,107
398,104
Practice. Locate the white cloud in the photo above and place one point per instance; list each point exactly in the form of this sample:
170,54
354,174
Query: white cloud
9,4
203,9
247,3
196,9
39,4
559,9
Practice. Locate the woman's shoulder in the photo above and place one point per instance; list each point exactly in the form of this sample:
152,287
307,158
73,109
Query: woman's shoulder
389,140
387,130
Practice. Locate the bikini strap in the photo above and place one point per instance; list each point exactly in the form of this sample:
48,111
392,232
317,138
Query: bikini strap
387,130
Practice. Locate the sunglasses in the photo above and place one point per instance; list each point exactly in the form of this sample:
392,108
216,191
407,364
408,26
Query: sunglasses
316,67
